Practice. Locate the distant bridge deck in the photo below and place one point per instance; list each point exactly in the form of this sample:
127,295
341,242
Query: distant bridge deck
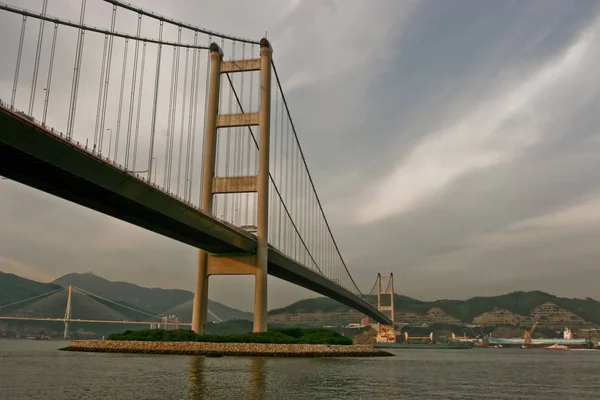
40,158
95,321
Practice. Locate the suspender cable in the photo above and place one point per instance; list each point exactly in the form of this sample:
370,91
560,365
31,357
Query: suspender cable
36,63
194,133
228,144
297,201
249,146
205,107
186,182
76,73
154,104
132,98
49,79
172,135
312,183
18,67
97,128
169,118
281,179
106,82
236,134
120,111
180,154
173,111
287,211
139,108
276,157
240,148
286,185
217,199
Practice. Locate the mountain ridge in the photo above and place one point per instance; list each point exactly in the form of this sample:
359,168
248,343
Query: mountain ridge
154,300
16,288
519,307
523,306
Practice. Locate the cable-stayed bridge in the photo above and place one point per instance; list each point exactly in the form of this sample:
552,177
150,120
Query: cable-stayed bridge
176,129
82,306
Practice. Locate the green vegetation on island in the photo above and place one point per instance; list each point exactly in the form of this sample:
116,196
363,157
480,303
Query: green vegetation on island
273,336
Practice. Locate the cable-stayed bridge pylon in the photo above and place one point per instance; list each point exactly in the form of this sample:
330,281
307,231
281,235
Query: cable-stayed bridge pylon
82,306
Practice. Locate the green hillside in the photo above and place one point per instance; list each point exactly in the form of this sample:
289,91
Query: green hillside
318,304
179,302
522,303
154,300
148,300
184,312
14,288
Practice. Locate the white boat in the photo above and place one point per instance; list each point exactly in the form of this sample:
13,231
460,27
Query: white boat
560,347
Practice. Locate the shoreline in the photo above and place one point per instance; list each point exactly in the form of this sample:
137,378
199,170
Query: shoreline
225,349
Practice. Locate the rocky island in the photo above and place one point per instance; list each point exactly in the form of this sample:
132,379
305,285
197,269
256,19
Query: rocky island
274,343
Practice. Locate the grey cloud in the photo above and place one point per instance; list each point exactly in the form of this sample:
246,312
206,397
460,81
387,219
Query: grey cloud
366,84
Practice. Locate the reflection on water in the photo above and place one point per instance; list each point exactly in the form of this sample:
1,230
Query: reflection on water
36,370
257,378
249,385
195,377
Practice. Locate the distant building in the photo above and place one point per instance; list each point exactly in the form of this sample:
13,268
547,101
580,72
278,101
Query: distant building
169,322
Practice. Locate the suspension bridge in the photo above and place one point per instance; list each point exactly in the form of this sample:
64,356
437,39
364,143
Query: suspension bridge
176,129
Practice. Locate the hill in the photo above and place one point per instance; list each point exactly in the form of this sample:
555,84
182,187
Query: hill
516,309
512,308
27,298
327,305
15,288
518,303
152,300
184,312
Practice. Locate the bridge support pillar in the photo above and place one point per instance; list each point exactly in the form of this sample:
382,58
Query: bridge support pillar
200,306
262,223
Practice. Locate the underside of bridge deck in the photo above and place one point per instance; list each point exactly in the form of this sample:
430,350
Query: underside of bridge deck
37,158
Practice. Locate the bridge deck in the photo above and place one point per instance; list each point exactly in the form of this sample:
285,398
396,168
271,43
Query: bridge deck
38,158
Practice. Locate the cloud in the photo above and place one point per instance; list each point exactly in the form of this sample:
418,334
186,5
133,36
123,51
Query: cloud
511,119
459,131
572,219
310,53
16,267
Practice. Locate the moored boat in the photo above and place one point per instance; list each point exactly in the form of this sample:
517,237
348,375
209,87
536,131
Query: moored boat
438,346
557,347
527,342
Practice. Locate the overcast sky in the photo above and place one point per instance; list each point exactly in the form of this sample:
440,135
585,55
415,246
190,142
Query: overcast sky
454,143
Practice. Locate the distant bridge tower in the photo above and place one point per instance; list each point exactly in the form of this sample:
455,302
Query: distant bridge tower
236,264
68,313
386,333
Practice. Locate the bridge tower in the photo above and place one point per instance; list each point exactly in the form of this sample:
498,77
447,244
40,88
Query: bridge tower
386,333
236,264
68,313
